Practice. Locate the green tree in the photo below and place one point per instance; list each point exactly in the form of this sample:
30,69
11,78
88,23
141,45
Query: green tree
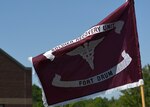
132,97
100,102
97,102
146,76
37,96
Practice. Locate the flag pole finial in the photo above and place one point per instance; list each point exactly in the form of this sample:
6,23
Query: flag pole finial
131,1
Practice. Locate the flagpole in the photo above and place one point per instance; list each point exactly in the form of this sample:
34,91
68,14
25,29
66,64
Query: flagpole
142,95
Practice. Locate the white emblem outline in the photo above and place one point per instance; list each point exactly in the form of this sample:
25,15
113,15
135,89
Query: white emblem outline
86,51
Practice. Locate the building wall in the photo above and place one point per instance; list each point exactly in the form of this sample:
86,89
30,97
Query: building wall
15,82
10,105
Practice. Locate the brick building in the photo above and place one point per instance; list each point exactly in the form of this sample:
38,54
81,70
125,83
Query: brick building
15,82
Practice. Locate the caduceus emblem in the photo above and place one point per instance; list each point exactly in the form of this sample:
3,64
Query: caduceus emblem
86,51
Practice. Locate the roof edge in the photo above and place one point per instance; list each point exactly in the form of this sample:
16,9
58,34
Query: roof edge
13,59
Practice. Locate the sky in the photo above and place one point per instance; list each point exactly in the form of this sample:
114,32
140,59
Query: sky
31,27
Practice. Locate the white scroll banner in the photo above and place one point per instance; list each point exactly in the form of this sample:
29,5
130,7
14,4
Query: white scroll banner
95,79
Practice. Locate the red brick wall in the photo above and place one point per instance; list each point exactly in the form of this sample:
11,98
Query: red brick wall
15,79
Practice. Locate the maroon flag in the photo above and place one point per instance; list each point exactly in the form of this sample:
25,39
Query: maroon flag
105,58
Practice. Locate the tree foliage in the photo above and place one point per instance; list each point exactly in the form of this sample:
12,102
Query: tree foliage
37,96
129,97
132,97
